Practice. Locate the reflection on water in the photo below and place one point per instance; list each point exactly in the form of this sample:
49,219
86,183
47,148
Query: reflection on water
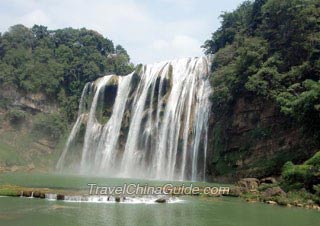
193,211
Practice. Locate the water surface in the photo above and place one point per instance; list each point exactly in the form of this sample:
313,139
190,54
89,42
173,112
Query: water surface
189,211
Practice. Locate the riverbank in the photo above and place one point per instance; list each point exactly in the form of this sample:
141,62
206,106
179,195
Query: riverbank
266,190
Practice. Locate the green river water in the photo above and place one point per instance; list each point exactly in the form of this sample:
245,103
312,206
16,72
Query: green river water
191,211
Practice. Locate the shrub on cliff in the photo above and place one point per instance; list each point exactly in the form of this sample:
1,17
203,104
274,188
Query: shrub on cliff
50,125
306,175
16,116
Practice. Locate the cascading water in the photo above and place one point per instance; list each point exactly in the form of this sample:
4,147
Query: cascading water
151,123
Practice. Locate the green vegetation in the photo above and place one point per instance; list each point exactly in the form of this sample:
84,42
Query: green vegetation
9,156
49,125
58,62
53,65
270,49
16,116
306,175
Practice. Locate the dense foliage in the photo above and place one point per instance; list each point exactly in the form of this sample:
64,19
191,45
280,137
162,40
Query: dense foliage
271,49
50,125
306,175
15,115
58,62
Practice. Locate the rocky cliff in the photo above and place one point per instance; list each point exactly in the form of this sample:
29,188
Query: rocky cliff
254,140
21,143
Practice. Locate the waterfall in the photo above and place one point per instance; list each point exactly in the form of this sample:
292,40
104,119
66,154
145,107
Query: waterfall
152,123
75,129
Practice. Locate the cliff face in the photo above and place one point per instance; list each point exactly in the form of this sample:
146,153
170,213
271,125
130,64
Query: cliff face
33,102
20,143
254,140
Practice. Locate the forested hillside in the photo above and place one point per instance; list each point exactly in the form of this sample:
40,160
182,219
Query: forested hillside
42,74
58,62
266,99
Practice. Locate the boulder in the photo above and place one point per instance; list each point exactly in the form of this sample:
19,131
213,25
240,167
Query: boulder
14,168
275,191
36,194
248,184
268,180
234,191
42,195
315,207
271,202
310,202
60,197
26,193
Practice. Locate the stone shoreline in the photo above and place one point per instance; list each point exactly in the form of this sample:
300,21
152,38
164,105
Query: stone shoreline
268,190
252,190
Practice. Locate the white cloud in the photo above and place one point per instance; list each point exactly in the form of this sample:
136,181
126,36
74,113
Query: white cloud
149,30
35,17
186,44
178,46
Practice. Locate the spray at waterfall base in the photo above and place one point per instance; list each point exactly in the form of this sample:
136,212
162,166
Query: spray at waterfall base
145,189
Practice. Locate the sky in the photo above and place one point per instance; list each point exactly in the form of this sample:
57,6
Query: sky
150,30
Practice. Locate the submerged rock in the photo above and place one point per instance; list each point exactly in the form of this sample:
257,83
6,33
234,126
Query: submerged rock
60,197
161,200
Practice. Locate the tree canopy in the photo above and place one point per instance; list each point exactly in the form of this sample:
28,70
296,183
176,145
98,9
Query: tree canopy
271,49
58,62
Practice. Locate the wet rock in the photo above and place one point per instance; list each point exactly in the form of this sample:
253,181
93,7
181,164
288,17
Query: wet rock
161,200
275,191
26,193
268,180
36,194
271,202
42,195
308,207
60,197
233,192
14,169
315,207
248,184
